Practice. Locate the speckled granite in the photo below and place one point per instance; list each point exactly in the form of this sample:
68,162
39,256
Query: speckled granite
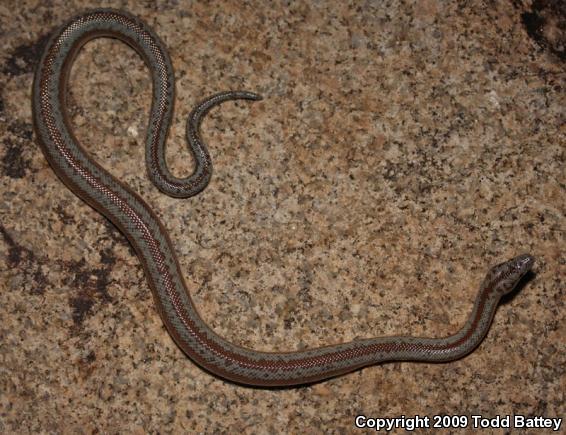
401,150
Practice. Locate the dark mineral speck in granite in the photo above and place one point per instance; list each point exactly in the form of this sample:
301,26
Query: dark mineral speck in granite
24,58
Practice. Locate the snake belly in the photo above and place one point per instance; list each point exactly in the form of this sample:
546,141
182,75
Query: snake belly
140,225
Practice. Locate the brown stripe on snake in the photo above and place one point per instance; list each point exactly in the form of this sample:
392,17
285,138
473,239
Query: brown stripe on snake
151,242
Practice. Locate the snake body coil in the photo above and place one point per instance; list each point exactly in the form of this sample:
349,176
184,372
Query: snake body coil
147,235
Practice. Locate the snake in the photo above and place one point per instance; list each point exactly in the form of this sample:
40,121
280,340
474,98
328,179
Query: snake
152,244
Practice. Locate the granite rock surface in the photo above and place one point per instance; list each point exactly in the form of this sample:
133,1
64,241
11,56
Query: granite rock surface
401,149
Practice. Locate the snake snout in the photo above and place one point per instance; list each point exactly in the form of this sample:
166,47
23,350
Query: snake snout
524,263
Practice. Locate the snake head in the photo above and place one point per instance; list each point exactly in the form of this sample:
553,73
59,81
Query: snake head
505,276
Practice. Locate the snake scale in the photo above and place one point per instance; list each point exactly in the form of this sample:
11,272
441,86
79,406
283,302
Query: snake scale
151,242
